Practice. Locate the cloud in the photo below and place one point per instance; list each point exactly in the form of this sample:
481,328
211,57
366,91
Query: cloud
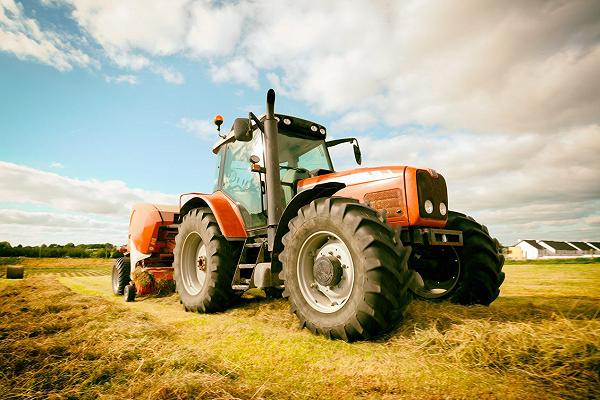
34,228
168,74
518,67
48,219
24,38
130,79
237,70
56,164
203,128
74,210
25,185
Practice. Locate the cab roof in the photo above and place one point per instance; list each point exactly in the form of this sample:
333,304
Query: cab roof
293,126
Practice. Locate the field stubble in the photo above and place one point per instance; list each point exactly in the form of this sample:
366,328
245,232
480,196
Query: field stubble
540,339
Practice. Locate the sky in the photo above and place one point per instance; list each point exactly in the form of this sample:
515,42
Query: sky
104,104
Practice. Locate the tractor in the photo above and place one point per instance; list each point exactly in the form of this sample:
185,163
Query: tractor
348,249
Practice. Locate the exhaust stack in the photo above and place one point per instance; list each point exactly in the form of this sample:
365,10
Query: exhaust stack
274,206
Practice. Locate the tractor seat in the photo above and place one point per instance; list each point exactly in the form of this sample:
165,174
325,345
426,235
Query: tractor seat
320,171
289,182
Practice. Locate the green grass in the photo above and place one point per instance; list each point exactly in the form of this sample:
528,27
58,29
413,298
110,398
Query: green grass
539,340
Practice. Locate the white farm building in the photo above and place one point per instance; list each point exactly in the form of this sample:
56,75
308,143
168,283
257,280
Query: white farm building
536,249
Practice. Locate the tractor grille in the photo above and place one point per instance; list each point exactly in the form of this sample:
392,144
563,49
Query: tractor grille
434,189
392,201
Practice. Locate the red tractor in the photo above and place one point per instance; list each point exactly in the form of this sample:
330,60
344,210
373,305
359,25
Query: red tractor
348,249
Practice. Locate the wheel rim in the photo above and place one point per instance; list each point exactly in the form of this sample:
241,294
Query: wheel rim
323,298
193,263
439,275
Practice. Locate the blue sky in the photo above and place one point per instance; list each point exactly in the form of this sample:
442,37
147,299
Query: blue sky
104,104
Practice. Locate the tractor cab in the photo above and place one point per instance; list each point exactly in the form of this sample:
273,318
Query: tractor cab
302,153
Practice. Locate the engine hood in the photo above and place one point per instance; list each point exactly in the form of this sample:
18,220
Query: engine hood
355,176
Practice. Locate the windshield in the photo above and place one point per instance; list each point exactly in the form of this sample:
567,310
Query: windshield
309,154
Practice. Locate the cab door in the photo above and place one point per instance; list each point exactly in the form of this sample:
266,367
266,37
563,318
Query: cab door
241,184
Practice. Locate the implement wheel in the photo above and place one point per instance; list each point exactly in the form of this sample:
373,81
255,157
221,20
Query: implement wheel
203,264
345,275
471,274
120,275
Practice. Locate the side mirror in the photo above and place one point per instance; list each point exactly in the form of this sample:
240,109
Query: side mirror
241,129
357,153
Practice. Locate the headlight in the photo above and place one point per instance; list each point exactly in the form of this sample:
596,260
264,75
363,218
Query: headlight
443,208
428,206
287,121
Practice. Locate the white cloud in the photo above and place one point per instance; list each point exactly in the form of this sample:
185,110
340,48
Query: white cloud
24,38
215,31
52,219
34,228
56,164
237,70
25,185
203,128
510,68
75,210
130,79
355,121
168,74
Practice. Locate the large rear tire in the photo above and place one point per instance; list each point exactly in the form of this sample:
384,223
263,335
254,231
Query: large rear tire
345,275
476,267
203,263
120,275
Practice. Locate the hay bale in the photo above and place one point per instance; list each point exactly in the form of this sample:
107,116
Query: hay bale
15,272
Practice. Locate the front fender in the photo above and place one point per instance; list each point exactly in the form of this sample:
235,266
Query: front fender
298,201
224,209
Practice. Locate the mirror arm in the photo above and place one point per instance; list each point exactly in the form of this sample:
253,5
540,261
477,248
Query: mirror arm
259,124
335,142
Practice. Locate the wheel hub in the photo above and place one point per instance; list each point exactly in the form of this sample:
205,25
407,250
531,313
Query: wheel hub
327,270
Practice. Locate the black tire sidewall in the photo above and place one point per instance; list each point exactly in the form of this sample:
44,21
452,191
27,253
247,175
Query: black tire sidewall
193,224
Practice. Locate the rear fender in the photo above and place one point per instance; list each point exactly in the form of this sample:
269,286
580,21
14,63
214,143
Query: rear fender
224,209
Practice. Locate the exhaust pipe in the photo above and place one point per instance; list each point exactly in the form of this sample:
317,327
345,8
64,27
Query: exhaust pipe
274,192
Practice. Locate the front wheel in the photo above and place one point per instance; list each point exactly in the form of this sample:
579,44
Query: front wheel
345,276
469,274
203,263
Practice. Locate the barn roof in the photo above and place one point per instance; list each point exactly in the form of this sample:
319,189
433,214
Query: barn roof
559,245
582,246
595,244
534,244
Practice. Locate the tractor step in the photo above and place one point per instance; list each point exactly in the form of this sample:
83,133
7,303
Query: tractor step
254,245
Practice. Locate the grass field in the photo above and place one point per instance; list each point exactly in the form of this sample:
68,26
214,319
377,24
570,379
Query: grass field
64,335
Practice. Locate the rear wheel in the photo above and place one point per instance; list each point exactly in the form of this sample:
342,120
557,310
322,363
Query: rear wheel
120,275
470,274
345,276
203,263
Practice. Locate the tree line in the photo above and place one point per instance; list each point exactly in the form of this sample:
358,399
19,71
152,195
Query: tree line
99,250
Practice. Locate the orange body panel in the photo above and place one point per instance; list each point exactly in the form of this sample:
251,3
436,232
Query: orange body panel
371,181
412,199
226,212
144,223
